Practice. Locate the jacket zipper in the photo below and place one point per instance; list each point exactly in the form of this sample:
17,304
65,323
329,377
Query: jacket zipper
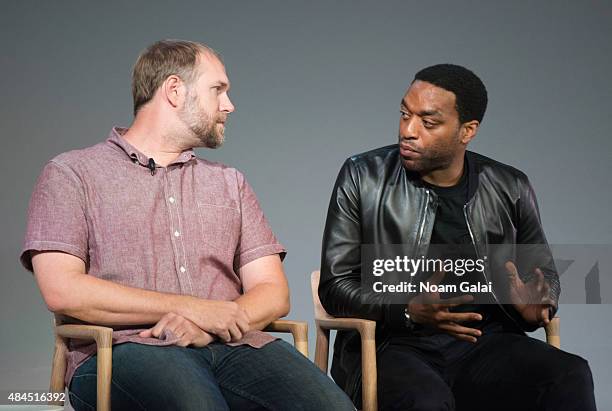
422,229
469,227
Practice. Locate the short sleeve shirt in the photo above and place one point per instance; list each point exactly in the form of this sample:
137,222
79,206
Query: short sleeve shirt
185,229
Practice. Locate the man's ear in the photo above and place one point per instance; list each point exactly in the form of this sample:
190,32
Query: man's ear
172,90
469,130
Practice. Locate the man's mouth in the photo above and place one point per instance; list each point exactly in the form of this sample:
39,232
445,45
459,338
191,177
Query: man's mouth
408,149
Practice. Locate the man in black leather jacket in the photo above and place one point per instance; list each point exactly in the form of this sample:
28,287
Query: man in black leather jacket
439,353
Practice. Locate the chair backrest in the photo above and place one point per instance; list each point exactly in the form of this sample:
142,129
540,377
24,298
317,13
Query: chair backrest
320,313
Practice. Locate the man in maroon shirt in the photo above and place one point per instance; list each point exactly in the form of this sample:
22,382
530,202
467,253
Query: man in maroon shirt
171,250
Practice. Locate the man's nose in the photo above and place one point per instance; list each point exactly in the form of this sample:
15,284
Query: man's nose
409,128
226,105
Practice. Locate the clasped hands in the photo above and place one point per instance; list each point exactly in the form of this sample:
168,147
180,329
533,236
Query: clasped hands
531,300
205,321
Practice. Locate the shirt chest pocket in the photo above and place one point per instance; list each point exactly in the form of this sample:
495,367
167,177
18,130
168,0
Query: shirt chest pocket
220,228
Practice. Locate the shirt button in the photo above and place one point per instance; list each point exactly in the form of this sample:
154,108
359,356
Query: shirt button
176,233
182,269
171,199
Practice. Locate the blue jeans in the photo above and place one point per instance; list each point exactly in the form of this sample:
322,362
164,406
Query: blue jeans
216,377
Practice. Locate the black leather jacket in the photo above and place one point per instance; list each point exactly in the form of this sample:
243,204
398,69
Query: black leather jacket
377,201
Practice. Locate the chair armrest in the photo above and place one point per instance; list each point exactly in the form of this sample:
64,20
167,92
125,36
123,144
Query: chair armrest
553,336
367,328
299,330
103,336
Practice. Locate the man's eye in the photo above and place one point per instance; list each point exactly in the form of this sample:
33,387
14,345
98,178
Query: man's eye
404,115
428,124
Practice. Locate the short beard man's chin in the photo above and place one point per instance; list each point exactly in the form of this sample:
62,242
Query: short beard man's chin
214,142
209,137
425,166
213,139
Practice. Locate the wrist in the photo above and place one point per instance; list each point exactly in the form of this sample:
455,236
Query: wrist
186,306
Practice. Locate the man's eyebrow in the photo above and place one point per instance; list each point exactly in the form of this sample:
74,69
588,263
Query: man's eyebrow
220,83
422,113
429,113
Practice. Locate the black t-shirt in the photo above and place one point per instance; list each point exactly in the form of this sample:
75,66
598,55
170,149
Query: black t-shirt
450,226
450,229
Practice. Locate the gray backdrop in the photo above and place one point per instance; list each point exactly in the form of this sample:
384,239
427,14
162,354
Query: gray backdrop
313,82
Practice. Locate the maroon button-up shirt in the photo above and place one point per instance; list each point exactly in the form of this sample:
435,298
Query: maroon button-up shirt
184,229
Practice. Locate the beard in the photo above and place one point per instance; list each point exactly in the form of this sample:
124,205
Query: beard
207,128
436,157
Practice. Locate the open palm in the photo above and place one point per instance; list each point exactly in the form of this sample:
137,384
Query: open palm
530,299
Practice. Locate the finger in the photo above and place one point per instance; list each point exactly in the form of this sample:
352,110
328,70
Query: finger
243,316
512,271
545,314
188,338
545,289
459,329
464,337
235,332
190,334
184,341
202,339
437,277
546,300
146,333
157,330
243,325
459,317
175,325
540,280
178,333
224,336
455,301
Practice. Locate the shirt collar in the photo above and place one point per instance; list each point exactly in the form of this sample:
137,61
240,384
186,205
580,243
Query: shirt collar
116,140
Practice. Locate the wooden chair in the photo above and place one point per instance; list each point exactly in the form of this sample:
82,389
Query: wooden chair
103,337
366,328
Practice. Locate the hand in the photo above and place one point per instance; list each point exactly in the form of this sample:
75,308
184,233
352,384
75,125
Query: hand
225,319
531,299
430,309
186,331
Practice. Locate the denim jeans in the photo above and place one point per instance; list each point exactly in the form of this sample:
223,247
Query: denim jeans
216,377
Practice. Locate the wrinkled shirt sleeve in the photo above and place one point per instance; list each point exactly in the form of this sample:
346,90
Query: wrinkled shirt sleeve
56,215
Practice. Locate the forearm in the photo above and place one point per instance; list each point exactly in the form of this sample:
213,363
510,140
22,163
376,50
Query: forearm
67,290
103,302
265,303
344,297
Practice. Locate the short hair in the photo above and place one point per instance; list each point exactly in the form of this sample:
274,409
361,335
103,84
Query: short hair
470,93
160,60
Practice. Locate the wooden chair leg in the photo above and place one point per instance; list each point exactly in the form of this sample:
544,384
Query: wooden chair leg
105,368
322,349
300,339
369,394
58,368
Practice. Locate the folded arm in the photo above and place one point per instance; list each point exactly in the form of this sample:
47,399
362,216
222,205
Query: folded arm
68,290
